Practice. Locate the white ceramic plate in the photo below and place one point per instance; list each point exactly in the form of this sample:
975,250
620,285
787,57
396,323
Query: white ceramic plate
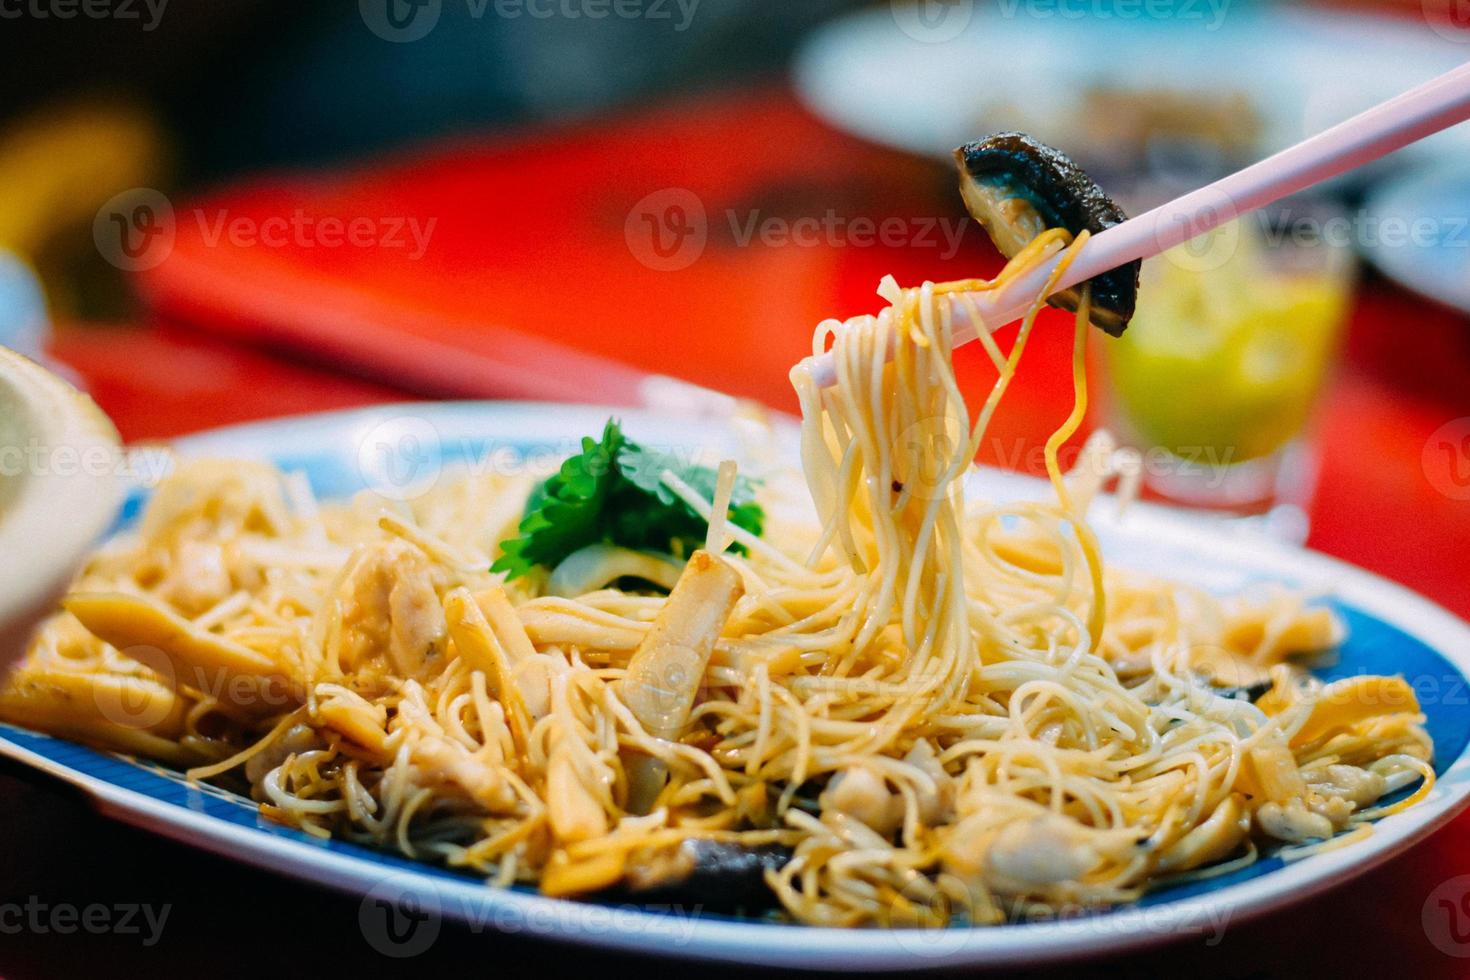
404,903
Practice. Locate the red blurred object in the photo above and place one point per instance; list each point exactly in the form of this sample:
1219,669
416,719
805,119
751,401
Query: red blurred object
703,242
159,381
532,286
537,276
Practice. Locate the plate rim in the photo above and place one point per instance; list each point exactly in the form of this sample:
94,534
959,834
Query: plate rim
807,947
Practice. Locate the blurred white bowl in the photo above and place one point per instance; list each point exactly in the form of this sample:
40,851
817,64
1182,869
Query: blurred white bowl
1416,230
60,484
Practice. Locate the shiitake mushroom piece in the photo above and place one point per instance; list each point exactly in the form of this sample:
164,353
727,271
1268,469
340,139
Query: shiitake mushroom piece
1247,692
715,875
1017,187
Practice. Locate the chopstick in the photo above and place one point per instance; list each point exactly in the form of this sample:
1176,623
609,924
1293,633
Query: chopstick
1422,111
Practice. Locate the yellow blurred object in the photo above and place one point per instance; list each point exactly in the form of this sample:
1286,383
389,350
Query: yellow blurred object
1270,772
1342,704
58,165
1230,358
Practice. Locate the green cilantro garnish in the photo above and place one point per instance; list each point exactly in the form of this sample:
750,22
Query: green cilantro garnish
613,492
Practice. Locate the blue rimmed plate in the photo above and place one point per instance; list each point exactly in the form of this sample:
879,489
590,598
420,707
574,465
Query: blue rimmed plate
399,449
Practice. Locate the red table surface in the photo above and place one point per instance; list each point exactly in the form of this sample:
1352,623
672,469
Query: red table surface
531,259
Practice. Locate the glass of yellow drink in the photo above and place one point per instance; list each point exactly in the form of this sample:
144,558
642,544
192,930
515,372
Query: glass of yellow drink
1215,380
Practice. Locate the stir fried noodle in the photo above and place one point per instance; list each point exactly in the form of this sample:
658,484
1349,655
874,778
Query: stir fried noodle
928,709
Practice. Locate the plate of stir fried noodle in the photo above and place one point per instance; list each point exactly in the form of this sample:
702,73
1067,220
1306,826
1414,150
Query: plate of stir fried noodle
729,688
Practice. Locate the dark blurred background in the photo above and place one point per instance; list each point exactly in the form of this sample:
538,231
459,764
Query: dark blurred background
243,84
182,94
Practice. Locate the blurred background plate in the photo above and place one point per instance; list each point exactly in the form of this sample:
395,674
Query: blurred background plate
1116,87
1421,233
22,306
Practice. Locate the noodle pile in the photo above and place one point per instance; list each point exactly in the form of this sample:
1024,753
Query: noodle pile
948,711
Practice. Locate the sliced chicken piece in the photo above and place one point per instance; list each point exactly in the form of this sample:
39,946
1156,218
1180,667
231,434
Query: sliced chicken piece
863,794
442,760
391,610
1029,856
